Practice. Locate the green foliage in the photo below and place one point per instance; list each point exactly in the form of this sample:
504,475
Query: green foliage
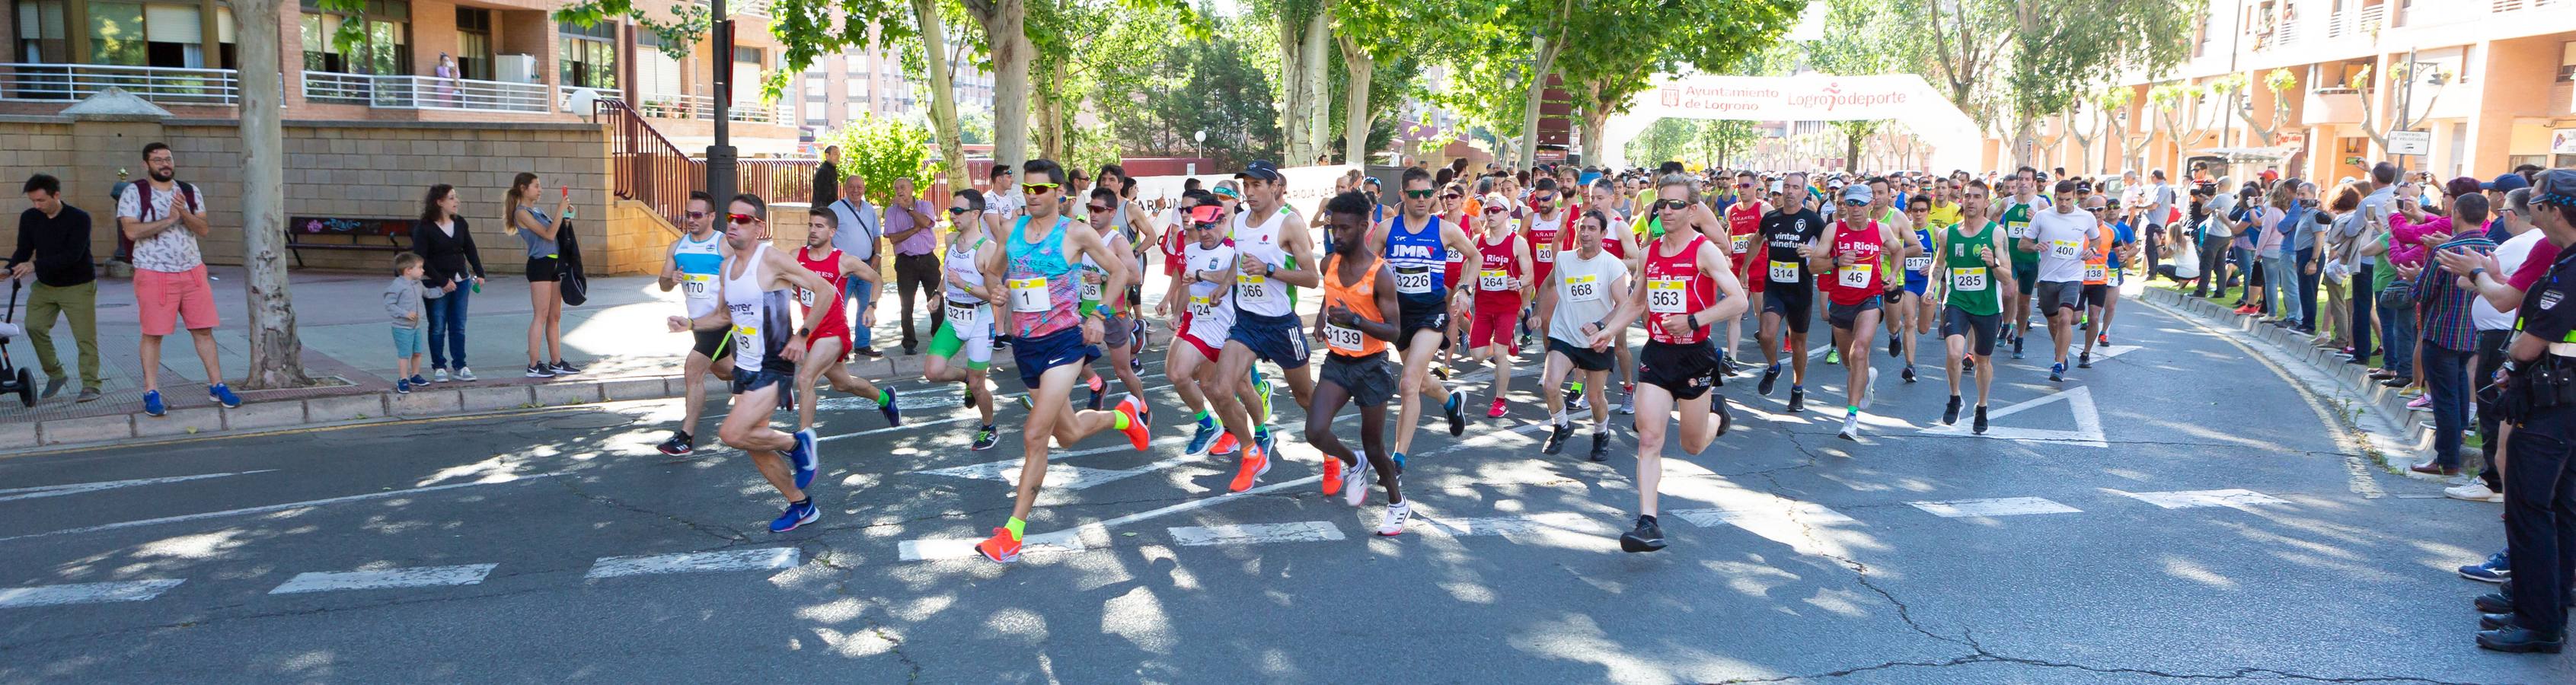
1217,86
880,150
688,25
809,29
1719,142
2064,50
1667,139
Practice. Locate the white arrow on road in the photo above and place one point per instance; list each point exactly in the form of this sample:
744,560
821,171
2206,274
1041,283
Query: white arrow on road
77,488
2079,399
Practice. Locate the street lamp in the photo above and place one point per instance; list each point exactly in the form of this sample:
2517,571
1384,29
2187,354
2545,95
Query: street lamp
1202,140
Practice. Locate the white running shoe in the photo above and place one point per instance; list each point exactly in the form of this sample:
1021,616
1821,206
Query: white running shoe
1869,388
1851,426
2474,491
464,374
1396,516
1355,482
438,376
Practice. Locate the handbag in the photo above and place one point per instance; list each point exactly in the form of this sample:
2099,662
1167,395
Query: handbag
574,286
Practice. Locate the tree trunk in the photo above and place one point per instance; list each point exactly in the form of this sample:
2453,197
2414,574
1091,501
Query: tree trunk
276,354
943,95
1006,31
1357,120
1545,53
1596,125
1319,111
1050,109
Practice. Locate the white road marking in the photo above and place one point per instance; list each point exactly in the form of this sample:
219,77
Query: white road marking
1534,524
1066,477
425,576
1748,516
2000,506
764,559
77,488
2079,399
2186,499
1256,533
85,593
307,504
941,549
907,424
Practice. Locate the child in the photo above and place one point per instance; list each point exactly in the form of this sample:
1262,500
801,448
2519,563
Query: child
403,301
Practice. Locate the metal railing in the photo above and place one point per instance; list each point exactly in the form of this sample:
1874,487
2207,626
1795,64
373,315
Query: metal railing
2358,22
68,82
428,92
676,106
646,167
2503,6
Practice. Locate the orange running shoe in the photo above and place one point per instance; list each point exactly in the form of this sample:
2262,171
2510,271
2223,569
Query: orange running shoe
1135,431
1254,464
1225,444
1332,475
1000,548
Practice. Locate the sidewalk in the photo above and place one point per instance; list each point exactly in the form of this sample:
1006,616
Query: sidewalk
619,337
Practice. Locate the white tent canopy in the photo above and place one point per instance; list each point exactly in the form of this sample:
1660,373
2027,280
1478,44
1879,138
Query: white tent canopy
1806,97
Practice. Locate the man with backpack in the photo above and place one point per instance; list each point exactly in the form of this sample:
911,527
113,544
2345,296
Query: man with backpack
165,217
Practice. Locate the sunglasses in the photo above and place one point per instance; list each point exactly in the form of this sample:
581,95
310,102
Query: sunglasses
954,211
1672,204
1744,185
1096,209
1206,225
1038,188
1857,203
1420,194
1496,209
744,219
694,216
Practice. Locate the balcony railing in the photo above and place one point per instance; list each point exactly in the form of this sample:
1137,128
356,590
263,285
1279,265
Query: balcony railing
69,82
428,92
648,168
2359,22
2503,6
673,106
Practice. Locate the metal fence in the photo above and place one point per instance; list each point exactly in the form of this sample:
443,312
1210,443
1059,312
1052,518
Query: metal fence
428,92
69,82
649,168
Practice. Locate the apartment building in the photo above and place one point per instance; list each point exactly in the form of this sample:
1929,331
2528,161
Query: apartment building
870,80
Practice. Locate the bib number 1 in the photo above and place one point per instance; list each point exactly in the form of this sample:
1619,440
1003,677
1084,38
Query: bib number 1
1029,295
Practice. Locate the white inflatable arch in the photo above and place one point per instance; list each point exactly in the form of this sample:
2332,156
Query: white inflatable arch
1955,141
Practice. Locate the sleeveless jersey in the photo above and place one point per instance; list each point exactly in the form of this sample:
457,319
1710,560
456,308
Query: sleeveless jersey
1418,256
832,324
761,324
1256,294
1972,286
1914,278
970,315
2097,271
1361,299
1675,288
2016,220
698,261
1543,234
1209,316
1743,223
1866,275
1040,282
1584,294
1498,274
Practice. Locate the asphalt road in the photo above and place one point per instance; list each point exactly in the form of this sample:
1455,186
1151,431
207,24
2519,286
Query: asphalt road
501,549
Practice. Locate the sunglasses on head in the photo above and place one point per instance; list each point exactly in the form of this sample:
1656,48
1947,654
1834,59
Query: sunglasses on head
742,218
1038,188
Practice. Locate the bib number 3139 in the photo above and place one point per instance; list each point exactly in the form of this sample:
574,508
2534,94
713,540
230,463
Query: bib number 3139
1345,339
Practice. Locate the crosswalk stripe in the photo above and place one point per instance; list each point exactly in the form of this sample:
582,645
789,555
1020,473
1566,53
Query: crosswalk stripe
942,549
425,576
1999,506
86,593
765,559
1787,510
1255,533
1536,524
2236,498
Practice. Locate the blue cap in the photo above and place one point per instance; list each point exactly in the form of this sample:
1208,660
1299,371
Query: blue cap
1261,170
2506,183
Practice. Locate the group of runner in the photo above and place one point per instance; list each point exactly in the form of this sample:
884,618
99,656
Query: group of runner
1472,266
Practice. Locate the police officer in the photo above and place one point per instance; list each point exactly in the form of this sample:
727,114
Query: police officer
2539,380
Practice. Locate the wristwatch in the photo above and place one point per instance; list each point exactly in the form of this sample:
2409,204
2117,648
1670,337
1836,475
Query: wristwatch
2473,273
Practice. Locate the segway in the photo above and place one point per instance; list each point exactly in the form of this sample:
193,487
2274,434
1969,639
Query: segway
13,378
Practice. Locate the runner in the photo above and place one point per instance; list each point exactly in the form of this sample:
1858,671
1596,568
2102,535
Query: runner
1790,294
1466,216
1206,272
1914,311
1117,333
1417,245
1855,295
829,341
1358,291
1270,257
2016,214
695,259
1050,341
1577,296
1502,284
1689,283
755,283
1971,266
2102,271
1621,242
967,323
1743,226
2060,241
1551,216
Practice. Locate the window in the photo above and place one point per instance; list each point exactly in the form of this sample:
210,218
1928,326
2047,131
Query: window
815,88
2567,62
588,56
857,87
131,34
383,48
40,33
656,72
474,43
747,65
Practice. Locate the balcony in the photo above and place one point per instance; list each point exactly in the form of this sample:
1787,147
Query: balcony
162,85
2503,6
2361,22
701,107
428,92
2331,106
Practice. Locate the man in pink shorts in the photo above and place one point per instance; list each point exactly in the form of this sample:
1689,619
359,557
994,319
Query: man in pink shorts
164,218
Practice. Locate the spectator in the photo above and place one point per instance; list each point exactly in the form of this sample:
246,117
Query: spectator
2276,223
1003,202
827,177
857,237
2307,231
403,299
448,257
2521,259
538,230
909,225
55,236
164,217
2449,335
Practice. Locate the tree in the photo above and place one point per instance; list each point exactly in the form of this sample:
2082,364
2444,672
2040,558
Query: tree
2175,105
2279,81
1858,41
1379,39
1666,139
880,150
2376,119
1215,86
2063,50
276,351
1720,141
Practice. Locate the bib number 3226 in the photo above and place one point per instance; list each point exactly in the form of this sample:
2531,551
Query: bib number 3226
1413,280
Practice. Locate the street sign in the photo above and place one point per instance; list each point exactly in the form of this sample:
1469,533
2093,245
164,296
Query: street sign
2410,142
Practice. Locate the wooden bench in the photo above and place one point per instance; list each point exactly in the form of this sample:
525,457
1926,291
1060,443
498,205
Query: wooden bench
300,231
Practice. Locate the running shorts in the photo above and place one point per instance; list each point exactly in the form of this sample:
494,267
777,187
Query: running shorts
977,347
1979,329
1491,326
1410,318
711,343
1584,358
1036,355
1794,304
1275,339
1844,315
745,381
1369,379
1683,370
2056,294
2095,294
2026,276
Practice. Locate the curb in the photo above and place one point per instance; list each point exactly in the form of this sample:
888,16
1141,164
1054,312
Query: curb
2381,411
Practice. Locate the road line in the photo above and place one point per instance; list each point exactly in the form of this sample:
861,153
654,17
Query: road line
1747,516
2234,498
2000,506
425,576
764,559
1256,533
280,507
1535,524
77,488
85,593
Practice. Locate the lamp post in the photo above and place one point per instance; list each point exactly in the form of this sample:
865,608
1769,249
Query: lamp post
1202,140
720,152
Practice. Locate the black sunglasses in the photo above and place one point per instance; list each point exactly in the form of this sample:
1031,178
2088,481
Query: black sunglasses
954,211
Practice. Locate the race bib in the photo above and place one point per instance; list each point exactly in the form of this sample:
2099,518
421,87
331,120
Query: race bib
2097,272
746,337
1202,305
1029,295
1854,276
964,317
1492,280
1784,272
1091,291
1666,296
1249,289
1344,339
1743,242
2065,249
805,297
1547,252
1917,264
698,286
1584,288
1413,280
2018,229
1968,278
